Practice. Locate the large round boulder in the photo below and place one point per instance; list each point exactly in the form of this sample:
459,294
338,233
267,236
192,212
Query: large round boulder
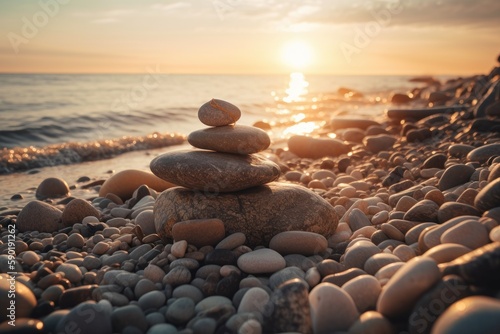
259,212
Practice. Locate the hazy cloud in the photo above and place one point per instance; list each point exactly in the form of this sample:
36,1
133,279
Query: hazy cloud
171,6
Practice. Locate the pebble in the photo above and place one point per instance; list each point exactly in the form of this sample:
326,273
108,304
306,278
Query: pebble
379,143
288,309
232,241
332,309
357,219
315,148
124,183
75,240
236,139
180,311
261,261
101,248
154,273
495,234
356,255
188,291
143,286
179,248
451,210
146,221
371,322
254,300
126,279
71,272
298,242
39,216
177,276
78,319
199,232
130,315
488,197
483,153
25,299
364,291
403,290
218,113
378,261
152,300
30,258
76,210
74,296
52,187
424,211
455,175
212,301
477,314
209,171
471,234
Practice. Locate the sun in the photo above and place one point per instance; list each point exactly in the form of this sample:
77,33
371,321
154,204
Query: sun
297,54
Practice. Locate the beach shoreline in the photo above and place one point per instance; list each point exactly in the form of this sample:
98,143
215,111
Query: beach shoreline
414,196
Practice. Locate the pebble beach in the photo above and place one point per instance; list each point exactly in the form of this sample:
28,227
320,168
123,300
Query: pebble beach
362,226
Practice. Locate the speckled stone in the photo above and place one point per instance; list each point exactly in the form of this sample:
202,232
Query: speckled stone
218,113
259,213
214,172
76,210
39,216
288,309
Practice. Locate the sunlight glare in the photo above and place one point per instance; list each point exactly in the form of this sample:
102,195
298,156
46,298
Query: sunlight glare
297,88
297,54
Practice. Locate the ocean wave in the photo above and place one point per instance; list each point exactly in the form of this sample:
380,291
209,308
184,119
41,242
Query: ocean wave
24,158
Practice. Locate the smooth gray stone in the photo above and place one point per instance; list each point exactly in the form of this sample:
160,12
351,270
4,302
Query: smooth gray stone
214,172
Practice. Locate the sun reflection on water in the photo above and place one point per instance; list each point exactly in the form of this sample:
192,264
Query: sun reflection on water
297,88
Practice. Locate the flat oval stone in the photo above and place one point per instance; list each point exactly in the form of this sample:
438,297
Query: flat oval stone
259,213
298,242
406,286
489,197
483,153
451,210
424,211
460,150
364,291
315,148
379,142
78,319
455,175
237,139
254,300
471,234
218,113
476,314
199,232
332,309
261,261
338,122
214,172
446,252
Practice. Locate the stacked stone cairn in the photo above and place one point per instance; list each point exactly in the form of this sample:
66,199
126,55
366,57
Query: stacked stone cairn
226,179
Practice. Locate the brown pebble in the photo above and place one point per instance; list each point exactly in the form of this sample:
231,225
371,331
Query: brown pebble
199,232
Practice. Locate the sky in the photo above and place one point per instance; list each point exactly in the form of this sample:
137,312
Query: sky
343,37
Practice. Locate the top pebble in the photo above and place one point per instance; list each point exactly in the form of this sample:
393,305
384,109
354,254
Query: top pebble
218,113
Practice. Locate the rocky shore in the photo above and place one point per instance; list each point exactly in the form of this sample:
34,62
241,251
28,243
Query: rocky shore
365,227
